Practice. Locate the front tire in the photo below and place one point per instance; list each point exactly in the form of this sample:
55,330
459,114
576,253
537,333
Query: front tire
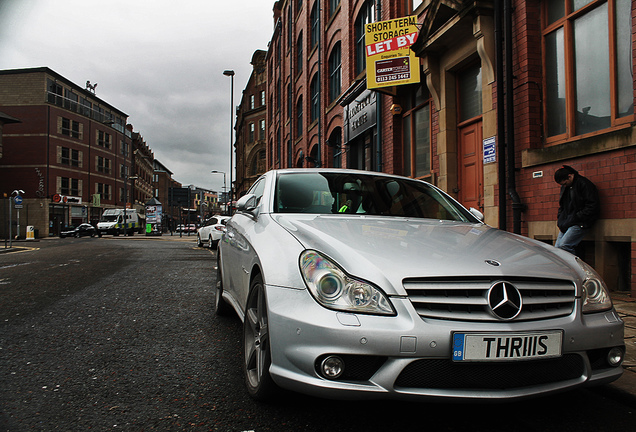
210,242
256,348
199,242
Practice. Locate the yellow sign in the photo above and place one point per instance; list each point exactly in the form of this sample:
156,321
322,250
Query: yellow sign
390,61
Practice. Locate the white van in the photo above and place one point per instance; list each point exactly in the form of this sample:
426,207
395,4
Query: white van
112,222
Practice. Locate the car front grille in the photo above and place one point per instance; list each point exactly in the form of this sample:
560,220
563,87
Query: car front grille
464,299
446,374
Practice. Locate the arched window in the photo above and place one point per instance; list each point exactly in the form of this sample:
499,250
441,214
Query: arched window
314,19
366,16
335,73
299,117
314,90
299,54
335,143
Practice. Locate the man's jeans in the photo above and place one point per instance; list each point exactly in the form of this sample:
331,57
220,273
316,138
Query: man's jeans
570,240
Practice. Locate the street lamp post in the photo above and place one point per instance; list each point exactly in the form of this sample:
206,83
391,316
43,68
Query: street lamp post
224,185
230,73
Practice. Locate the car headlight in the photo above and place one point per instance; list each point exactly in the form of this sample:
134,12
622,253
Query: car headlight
596,298
334,289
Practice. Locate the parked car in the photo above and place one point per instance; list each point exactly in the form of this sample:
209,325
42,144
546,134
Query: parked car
211,231
80,230
353,284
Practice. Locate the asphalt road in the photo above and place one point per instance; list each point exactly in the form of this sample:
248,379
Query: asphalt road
118,334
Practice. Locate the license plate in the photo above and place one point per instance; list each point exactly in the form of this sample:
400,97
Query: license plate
506,346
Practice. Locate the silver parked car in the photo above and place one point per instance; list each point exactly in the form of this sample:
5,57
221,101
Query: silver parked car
211,231
354,284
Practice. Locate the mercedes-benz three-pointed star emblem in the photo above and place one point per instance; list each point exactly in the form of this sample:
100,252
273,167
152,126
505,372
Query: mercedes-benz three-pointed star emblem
504,300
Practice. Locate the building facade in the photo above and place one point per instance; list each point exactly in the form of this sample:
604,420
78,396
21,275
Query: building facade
506,97
251,127
70,153
142,171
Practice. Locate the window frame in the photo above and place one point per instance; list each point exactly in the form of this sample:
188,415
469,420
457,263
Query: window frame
314,25
314,93
566,24
417,104
335,72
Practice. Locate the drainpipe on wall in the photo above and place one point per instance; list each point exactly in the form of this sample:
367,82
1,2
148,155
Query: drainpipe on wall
501,126
517,205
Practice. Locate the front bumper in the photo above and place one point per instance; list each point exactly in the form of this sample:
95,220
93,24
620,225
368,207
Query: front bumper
406,356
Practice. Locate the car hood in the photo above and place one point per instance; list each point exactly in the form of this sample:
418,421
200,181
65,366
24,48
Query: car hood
387,250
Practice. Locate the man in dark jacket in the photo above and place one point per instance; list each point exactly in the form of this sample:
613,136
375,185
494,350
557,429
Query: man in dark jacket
579,207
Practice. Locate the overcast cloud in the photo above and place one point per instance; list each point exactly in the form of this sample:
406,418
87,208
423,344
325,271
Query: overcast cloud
159,61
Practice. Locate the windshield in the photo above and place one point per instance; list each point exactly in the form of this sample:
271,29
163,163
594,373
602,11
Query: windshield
347,193
109,218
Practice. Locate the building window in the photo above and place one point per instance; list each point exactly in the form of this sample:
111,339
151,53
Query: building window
314,20
54,93
299,117
70,100
103,165
469,82
103,139
365,17
69,186
335,142
125,148
251,133
314,90
86,107
335,78
416,128
261,130
593,40
299,54
289,100
104,190
70,157
70,128
252,102
333,6
262,97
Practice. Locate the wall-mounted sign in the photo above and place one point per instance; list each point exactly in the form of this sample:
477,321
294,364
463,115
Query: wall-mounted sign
490,150
360,115
390,61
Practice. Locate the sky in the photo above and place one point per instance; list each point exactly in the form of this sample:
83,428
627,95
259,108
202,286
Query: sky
159,61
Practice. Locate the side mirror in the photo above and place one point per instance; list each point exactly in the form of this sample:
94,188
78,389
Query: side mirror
247,203
479,215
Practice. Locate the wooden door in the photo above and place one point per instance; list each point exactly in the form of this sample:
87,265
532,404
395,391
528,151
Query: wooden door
471,166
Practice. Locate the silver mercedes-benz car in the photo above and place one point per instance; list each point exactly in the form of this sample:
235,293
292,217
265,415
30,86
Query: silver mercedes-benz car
355,284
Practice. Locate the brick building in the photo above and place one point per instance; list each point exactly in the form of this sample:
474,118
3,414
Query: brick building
506,97
72,153
250,127
143,169
163,184
560,104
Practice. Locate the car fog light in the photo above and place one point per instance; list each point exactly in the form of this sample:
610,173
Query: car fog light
332,367
615,357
